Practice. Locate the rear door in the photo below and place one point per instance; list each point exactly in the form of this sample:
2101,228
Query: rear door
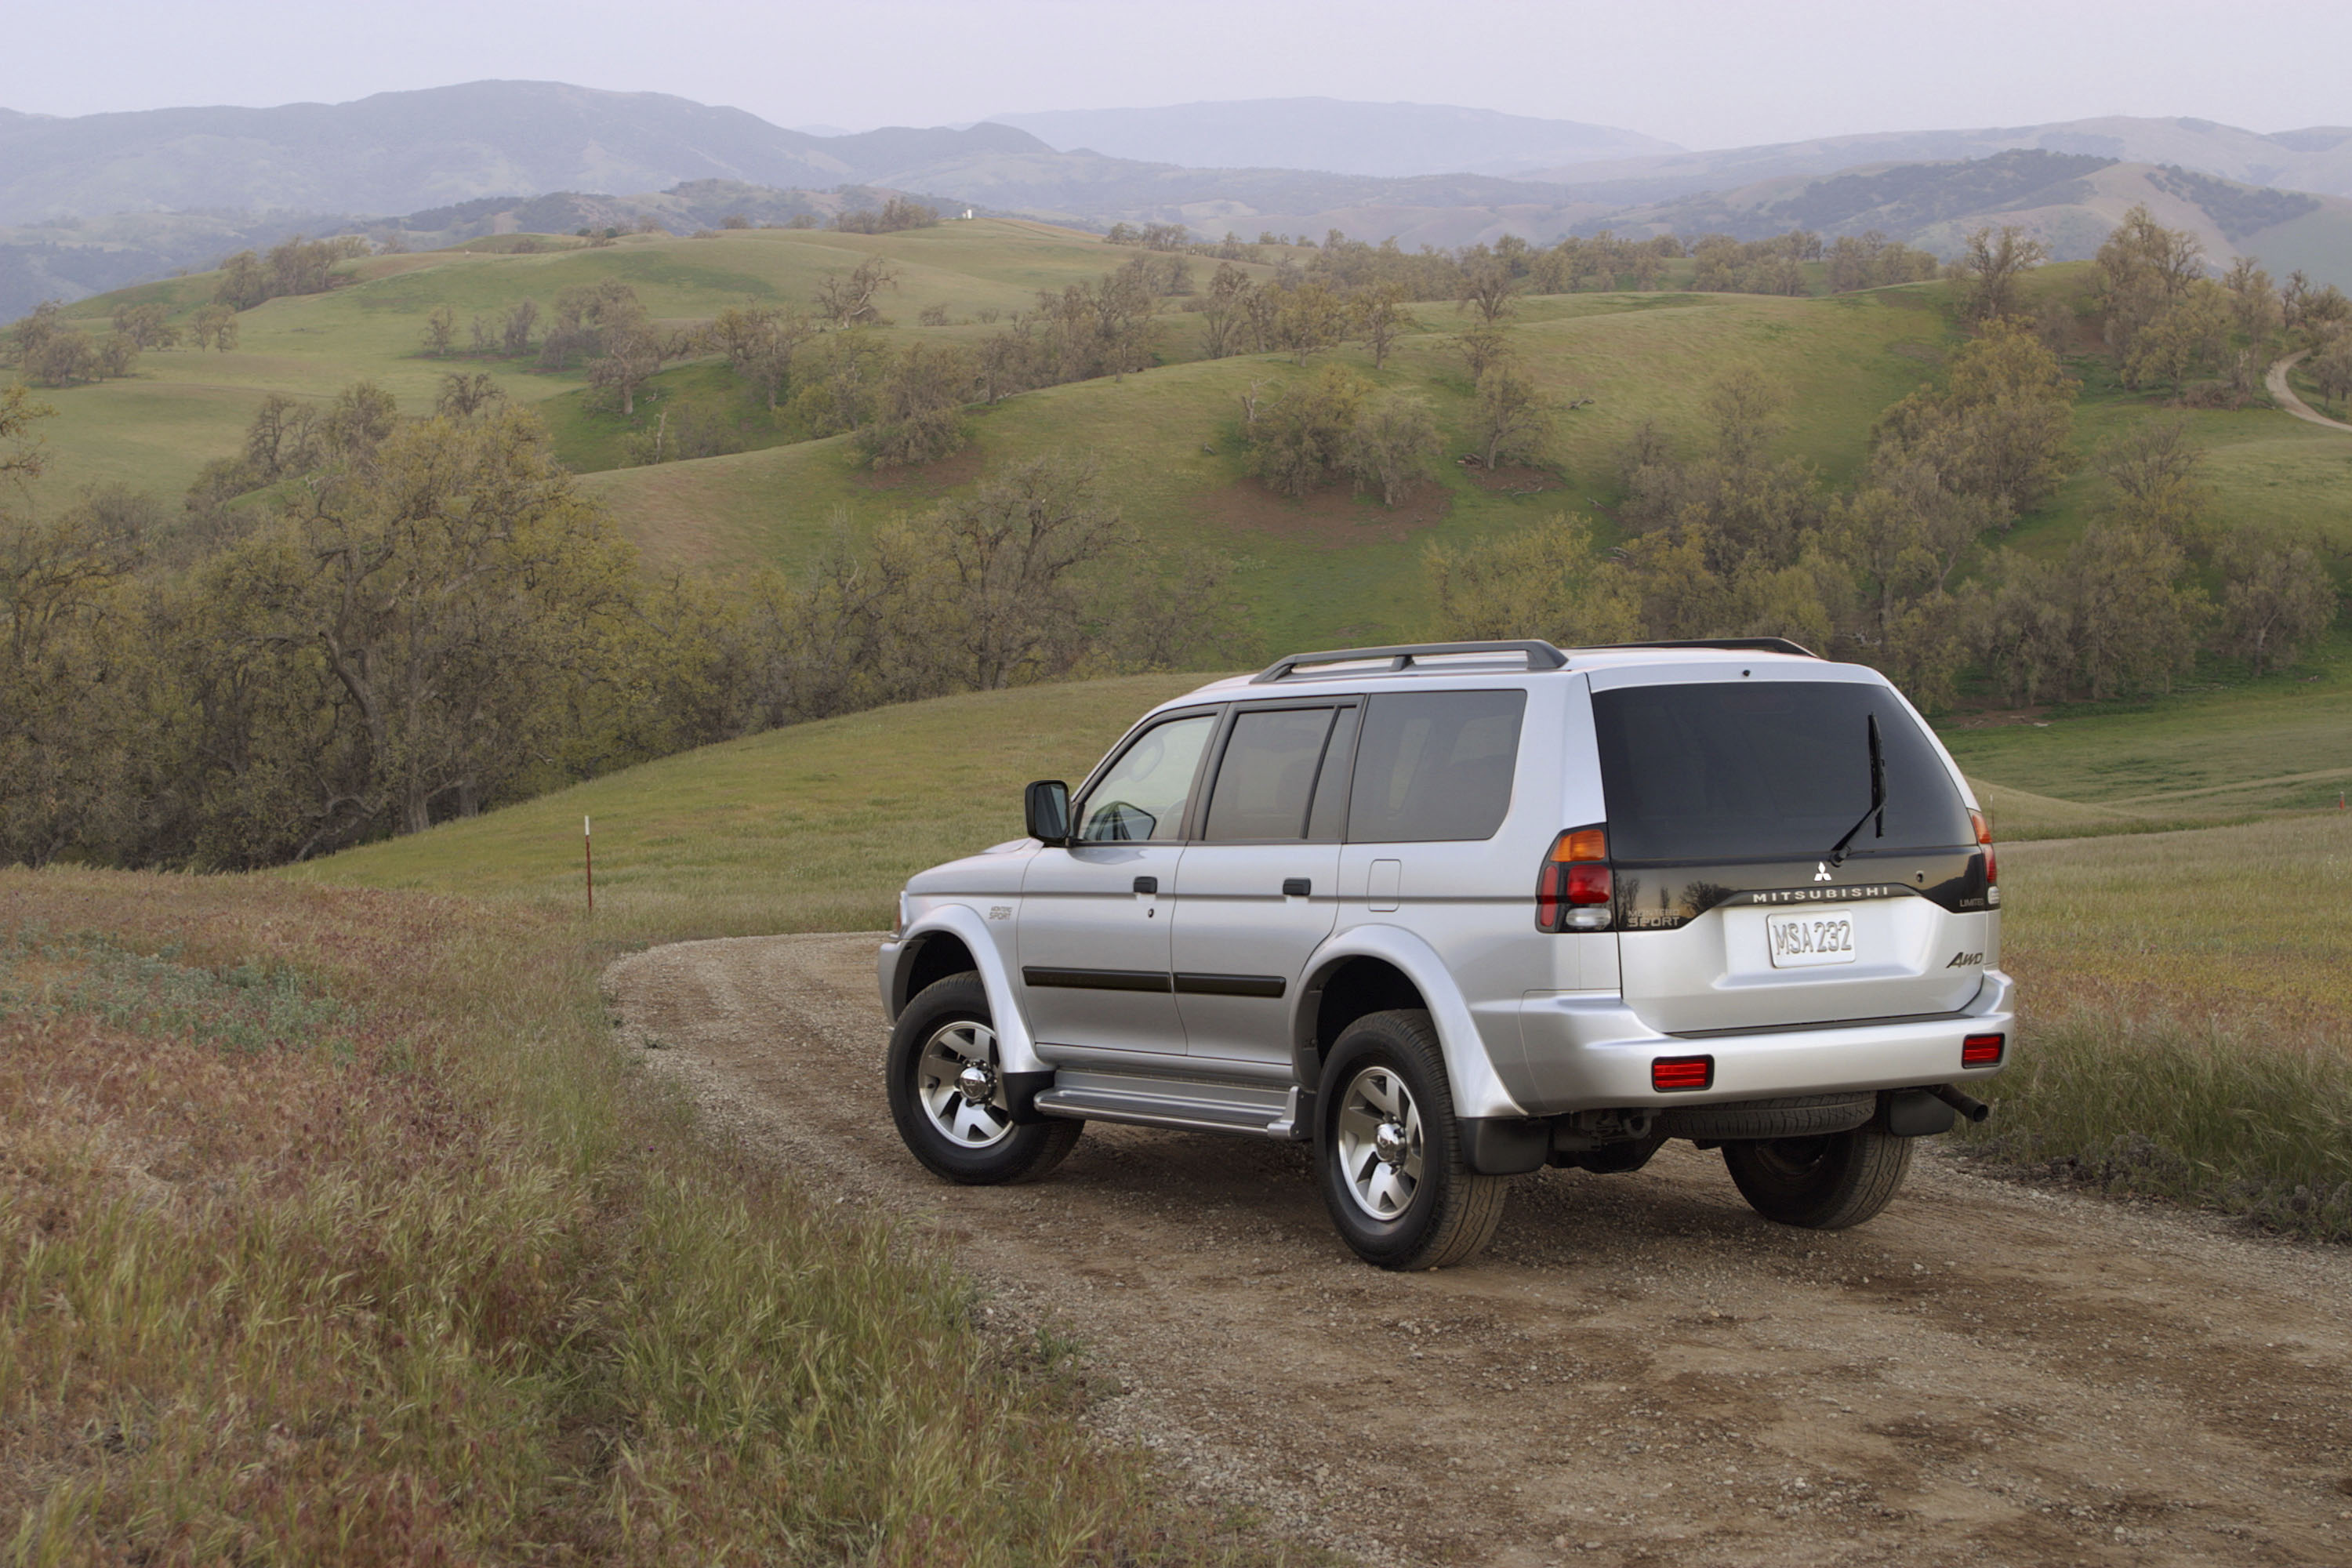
1727,795
1261,878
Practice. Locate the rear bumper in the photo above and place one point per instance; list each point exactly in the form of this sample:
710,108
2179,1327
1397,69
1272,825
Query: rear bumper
1587,1050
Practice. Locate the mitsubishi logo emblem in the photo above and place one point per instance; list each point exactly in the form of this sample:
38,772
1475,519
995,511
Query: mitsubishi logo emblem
1821,871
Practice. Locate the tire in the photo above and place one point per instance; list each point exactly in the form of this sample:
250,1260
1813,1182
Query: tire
1825,1183
1384,1093
969,1138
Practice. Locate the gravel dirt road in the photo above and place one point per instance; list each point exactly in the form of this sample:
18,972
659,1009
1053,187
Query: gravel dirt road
1639,1371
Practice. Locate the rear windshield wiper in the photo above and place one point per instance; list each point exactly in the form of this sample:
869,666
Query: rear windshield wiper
1877,798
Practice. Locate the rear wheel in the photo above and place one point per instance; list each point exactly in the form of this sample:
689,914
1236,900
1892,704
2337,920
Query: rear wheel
1389,1153
1824,1182
948,1095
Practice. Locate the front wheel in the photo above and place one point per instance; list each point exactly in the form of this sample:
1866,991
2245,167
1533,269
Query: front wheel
1825,1183
1389,1153
948,1096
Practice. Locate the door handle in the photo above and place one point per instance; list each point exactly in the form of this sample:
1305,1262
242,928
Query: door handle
1146,884
1296,887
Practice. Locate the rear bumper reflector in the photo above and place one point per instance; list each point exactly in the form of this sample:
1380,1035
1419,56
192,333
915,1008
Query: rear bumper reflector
1982,1050
1668,1074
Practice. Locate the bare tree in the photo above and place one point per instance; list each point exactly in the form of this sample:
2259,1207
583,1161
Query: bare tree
1482,348
1486,285
1991,266
1513,419
465,394
1381,319
633,356
849,299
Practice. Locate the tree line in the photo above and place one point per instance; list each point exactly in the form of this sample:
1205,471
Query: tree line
1908,569
418,618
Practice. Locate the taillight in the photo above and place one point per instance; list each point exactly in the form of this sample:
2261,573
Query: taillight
1982,1050
1984,841
1670,1073
1573,889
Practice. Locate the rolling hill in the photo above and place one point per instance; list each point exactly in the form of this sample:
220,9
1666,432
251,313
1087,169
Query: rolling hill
2069,201
1334,567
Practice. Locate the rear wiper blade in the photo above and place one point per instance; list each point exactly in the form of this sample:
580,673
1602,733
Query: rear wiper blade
1877,798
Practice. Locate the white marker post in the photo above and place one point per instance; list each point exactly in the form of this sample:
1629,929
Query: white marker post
588,853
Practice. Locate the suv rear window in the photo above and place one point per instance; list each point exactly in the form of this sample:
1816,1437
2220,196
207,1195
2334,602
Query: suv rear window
1435,765
1766,770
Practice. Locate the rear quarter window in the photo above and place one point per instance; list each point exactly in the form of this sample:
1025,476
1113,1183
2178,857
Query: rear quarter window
1435,765
1758,770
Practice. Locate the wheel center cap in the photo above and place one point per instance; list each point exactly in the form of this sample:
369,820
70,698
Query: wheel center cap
1387,1143
975,1083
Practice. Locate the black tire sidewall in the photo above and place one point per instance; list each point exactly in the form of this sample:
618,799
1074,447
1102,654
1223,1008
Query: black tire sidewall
1027,1151
1390,1040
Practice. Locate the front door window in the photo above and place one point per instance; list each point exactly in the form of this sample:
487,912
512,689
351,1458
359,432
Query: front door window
1143,794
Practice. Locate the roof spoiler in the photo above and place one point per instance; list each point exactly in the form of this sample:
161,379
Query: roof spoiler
1538,655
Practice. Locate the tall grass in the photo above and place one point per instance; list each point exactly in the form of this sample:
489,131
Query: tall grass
2192,1113
2186,1018
333,1230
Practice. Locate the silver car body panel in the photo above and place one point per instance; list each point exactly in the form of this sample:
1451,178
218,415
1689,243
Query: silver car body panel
1531,1022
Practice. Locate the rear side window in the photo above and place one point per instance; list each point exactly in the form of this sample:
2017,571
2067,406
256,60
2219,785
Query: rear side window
1435,765
1766,770
1267,777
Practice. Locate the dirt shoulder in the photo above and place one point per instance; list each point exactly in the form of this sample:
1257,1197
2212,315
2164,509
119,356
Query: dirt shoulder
1639,1371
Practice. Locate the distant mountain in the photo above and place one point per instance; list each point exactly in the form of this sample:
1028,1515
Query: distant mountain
2071,202
2317,159
398,151
1336,136
94,202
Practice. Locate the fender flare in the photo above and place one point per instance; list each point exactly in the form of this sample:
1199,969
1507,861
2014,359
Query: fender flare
1479,1092
1016,1050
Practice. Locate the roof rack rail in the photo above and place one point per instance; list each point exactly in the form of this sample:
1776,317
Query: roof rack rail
1401,657
1735,645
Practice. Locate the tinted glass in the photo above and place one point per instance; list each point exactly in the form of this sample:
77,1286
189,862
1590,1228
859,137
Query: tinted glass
1267,775
1740,770
1143,795
1330,812
1434,764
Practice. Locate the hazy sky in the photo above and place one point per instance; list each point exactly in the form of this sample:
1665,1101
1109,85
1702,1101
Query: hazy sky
1701,72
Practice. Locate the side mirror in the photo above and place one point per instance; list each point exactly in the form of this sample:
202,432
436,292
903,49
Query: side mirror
1046,807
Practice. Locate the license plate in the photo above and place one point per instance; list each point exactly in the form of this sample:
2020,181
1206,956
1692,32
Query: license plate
1817,936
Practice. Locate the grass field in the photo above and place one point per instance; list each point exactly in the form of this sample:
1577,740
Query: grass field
334,1230
2217,957
182,407
2187,1012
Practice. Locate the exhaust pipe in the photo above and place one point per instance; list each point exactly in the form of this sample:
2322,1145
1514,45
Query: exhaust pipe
1975,1109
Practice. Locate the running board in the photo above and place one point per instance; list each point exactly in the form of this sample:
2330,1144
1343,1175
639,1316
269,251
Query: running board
1254,1110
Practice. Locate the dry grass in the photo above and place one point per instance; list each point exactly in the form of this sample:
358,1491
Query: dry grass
333,1230
2187,1023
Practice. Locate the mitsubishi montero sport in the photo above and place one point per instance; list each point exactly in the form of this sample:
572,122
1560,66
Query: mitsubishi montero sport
1451,912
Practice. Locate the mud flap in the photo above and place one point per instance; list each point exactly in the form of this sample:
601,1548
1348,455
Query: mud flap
1915,1113
1505,1145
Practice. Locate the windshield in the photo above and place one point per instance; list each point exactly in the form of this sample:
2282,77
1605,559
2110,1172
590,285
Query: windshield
1767,770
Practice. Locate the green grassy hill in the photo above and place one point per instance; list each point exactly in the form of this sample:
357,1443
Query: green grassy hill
182,407
815,828
1334,567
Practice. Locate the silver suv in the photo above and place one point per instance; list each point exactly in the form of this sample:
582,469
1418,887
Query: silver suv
1455,912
